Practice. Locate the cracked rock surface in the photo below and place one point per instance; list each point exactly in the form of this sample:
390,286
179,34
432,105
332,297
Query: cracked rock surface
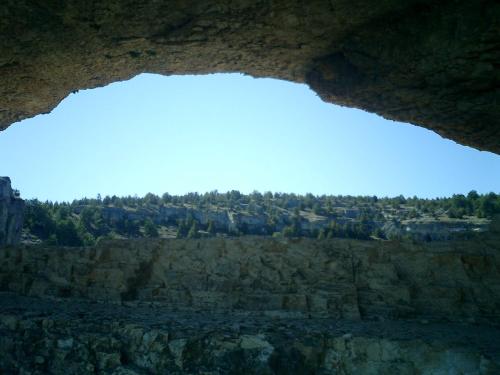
78,337
251,306
433,64
339,279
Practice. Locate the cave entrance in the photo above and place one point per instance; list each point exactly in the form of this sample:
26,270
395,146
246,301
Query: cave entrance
229,131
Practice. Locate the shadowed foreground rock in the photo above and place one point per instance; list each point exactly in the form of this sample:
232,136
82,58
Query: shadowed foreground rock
430,63
40,336
252,306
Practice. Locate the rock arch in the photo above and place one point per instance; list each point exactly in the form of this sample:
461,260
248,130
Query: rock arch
434,64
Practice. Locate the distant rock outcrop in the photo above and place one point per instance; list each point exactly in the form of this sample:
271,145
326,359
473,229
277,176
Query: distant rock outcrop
239,220
11,214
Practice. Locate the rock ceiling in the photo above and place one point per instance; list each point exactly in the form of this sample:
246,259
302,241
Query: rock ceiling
429,63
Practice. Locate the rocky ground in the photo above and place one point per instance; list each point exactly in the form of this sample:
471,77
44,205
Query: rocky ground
80,337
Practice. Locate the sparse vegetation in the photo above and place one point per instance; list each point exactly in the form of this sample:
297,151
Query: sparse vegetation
84,221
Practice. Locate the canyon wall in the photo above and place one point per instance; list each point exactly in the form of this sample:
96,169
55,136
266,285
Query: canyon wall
11,214
252,305
344,279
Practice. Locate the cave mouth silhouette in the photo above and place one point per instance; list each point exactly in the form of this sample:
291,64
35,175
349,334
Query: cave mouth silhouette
426,63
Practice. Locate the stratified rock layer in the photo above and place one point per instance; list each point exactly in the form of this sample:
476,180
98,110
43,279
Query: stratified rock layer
11,214
341,279
431,63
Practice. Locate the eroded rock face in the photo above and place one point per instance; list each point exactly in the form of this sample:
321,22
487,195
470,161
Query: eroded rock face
62,337
251,306
341,279
430,63
11,214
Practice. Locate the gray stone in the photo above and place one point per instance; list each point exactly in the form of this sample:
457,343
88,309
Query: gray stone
65,343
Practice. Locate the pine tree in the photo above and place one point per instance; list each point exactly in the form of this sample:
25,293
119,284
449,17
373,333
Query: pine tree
321,234
150,229
193,232
211,228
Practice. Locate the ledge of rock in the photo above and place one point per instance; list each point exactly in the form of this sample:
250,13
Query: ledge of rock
434,64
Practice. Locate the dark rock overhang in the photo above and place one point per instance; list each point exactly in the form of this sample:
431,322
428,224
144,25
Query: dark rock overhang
433,64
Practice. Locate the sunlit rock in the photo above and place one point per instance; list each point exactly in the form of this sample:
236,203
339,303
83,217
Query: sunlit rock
11,213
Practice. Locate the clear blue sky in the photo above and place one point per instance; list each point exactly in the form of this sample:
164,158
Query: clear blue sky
229,131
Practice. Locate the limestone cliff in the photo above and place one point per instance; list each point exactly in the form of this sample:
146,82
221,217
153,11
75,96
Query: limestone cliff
335,278
252,305
430,63
11,214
